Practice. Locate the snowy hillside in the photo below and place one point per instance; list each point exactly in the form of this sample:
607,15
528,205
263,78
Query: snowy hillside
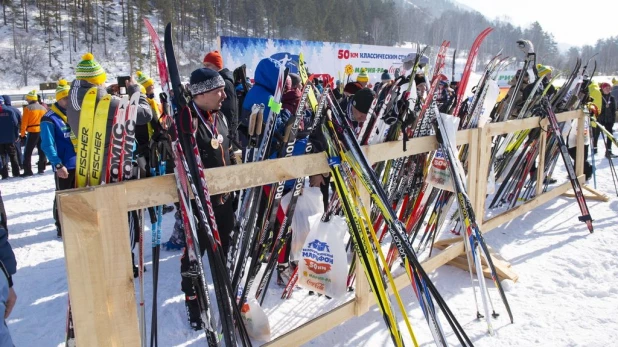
112,55
566,294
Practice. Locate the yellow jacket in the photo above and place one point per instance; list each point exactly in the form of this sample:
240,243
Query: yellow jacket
31,120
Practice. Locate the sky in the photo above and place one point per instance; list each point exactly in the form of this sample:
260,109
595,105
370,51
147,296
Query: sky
567,23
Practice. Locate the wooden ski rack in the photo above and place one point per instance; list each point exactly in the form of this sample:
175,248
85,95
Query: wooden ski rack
98,258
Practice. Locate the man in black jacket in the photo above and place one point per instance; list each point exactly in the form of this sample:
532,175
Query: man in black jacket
229,107
607,117
207,89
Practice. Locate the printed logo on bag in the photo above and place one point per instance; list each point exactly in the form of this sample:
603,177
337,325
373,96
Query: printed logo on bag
318,257
316,285
320,246
318,268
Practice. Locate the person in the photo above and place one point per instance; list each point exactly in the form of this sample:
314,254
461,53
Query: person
519,96
207,89
18,144
147,133
88,74
348,93
144,132
9,139
569,132
614,91
606,118
357,110
337,91
58,142
31,123
8,297
386,77
214,61
318,84
362,77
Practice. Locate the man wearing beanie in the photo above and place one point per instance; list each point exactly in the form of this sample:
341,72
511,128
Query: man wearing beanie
357,108
229,108
363,78
207,89
9,137
58,141
31,123
144,132
88,74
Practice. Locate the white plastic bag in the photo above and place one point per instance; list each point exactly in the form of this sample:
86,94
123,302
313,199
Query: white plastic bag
439,175
324,264
255,320
309,204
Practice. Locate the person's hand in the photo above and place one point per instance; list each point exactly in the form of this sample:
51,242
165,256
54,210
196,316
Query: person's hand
316,180
10,303
130,82
63,172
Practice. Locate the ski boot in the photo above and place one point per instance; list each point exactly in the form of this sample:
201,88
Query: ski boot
173,245
168,208
135,267
177,240
193,313
284,273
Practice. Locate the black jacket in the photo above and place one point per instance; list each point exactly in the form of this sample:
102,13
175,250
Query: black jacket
608,109
213,157
230,104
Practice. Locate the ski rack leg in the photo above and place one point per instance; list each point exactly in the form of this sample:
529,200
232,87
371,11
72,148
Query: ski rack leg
540,169
95,240
482,176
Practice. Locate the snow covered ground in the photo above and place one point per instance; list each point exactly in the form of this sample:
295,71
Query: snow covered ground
567,293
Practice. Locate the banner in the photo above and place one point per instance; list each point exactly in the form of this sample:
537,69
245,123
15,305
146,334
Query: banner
320,57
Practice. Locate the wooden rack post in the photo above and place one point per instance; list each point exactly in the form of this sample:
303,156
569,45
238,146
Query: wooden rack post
98,261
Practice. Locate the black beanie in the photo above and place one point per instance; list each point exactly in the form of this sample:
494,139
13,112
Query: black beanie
419,78
362,100
204,80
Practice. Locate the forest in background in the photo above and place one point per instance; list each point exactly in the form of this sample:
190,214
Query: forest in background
54,33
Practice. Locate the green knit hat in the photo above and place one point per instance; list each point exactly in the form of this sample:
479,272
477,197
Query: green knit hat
88,69
143,79
62,90
362,76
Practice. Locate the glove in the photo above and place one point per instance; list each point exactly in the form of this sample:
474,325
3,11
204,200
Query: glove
23,140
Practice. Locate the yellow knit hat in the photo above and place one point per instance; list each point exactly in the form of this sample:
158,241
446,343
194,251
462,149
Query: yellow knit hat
543,69
62,90
32,96
88,69
362,76
143,79
614,81
142,89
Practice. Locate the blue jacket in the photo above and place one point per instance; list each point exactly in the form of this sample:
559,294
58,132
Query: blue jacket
9,124
56,138
8,264
266,76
